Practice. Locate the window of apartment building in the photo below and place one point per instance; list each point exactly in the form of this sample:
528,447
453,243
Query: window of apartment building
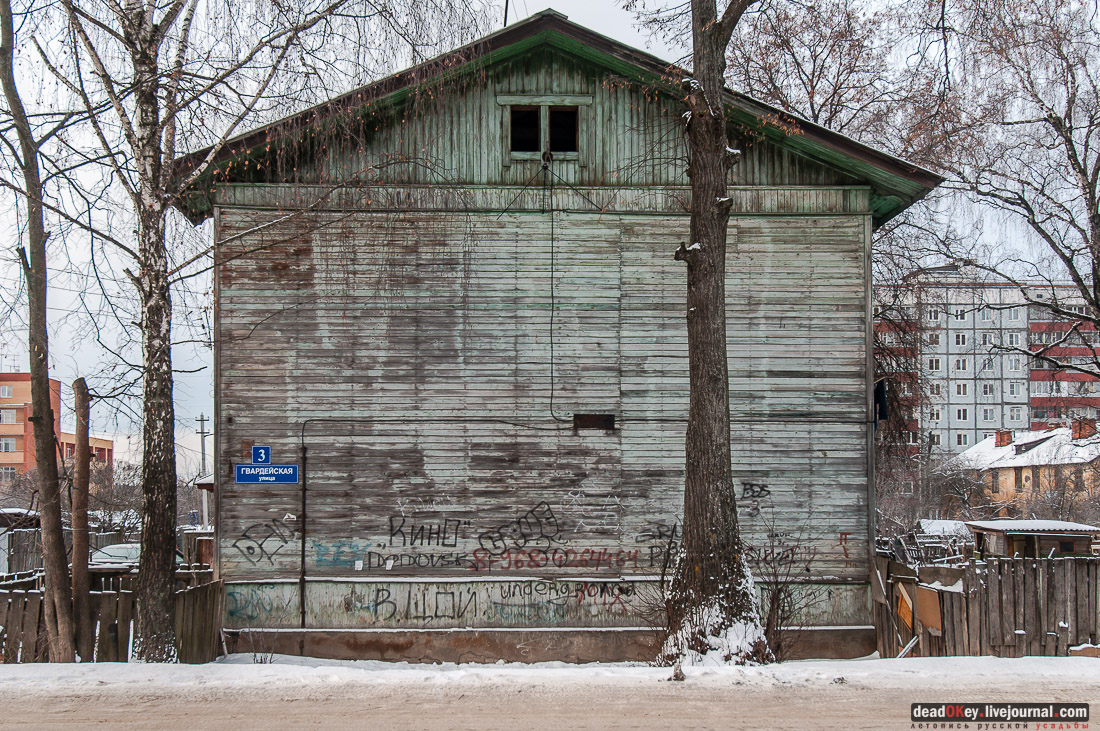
960,389
987,389
5,391
987,415
933,364
1014,339
934,389
1016,363
912,437
962,439
960,314
1014,314
962,414
905,389
933,338
1015,388
987,339
7,416
933,414
987,435
889,338
961,364
933,315
1016,413
934,439
960,338
7,444
987,364
987,314
7,474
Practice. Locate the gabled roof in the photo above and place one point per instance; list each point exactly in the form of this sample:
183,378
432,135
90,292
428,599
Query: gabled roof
895,184
1030,449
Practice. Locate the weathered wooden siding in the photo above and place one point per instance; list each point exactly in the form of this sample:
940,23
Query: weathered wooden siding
458,134
410,354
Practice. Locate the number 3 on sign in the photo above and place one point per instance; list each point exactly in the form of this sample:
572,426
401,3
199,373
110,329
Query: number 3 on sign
261,455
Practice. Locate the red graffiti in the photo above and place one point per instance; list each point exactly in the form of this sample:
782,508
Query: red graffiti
588,558
844,544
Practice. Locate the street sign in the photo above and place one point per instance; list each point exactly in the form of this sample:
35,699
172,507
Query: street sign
261,455
279,474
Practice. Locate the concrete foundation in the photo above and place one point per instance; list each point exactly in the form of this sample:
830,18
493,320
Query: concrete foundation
488,646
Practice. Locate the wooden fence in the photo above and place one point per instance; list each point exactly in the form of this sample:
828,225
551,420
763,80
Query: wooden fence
198,624
1008,607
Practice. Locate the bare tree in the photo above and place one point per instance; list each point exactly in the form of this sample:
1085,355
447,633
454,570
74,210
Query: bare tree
155,77
1016,86
710,602
58,598
81,581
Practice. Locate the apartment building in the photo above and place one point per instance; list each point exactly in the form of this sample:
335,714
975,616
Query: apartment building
17,452
963,343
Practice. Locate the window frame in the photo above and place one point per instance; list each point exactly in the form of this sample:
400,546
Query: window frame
543,102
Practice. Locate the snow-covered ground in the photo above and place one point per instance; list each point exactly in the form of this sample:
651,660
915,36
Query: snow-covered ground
237,692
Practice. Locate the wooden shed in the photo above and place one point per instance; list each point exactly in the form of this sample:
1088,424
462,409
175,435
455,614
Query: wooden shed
449,298
1033,538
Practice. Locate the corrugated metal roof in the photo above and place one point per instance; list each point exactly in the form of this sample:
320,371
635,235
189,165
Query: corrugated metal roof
1033,526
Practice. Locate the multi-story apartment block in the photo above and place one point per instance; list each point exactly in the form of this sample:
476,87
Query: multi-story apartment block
960,352
17,453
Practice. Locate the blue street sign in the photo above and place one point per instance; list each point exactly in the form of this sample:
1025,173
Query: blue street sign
279,474
261,455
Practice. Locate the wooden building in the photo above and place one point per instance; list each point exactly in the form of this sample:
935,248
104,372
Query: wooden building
478,361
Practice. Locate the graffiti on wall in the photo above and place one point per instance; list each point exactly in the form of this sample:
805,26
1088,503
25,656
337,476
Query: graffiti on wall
261,542
443,604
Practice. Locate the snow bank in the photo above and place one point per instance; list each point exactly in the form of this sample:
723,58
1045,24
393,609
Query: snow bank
295,674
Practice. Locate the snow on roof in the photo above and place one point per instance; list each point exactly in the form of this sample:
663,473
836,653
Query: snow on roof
1033,526
1030,449
18,511
944,528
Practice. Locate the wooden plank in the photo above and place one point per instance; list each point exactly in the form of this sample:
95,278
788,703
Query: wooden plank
1071,601
1019,569
31,621
974,609
1031,621
1094,605
1081,589
947,610
5,601
125,619
996,602
1008,603
1050,639
107,643
16,606
1060,605
1041,624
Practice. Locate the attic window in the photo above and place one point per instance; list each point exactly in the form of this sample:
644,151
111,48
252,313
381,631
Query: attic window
525,129
563,129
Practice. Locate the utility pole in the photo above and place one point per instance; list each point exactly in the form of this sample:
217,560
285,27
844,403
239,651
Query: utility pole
202,456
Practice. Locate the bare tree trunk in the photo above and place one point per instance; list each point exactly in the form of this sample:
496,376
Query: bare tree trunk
81,581
156,576
711,591
58,600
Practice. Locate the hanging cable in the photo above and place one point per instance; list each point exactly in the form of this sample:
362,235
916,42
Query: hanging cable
553,269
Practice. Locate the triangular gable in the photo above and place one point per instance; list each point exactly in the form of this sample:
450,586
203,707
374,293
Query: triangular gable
895,184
